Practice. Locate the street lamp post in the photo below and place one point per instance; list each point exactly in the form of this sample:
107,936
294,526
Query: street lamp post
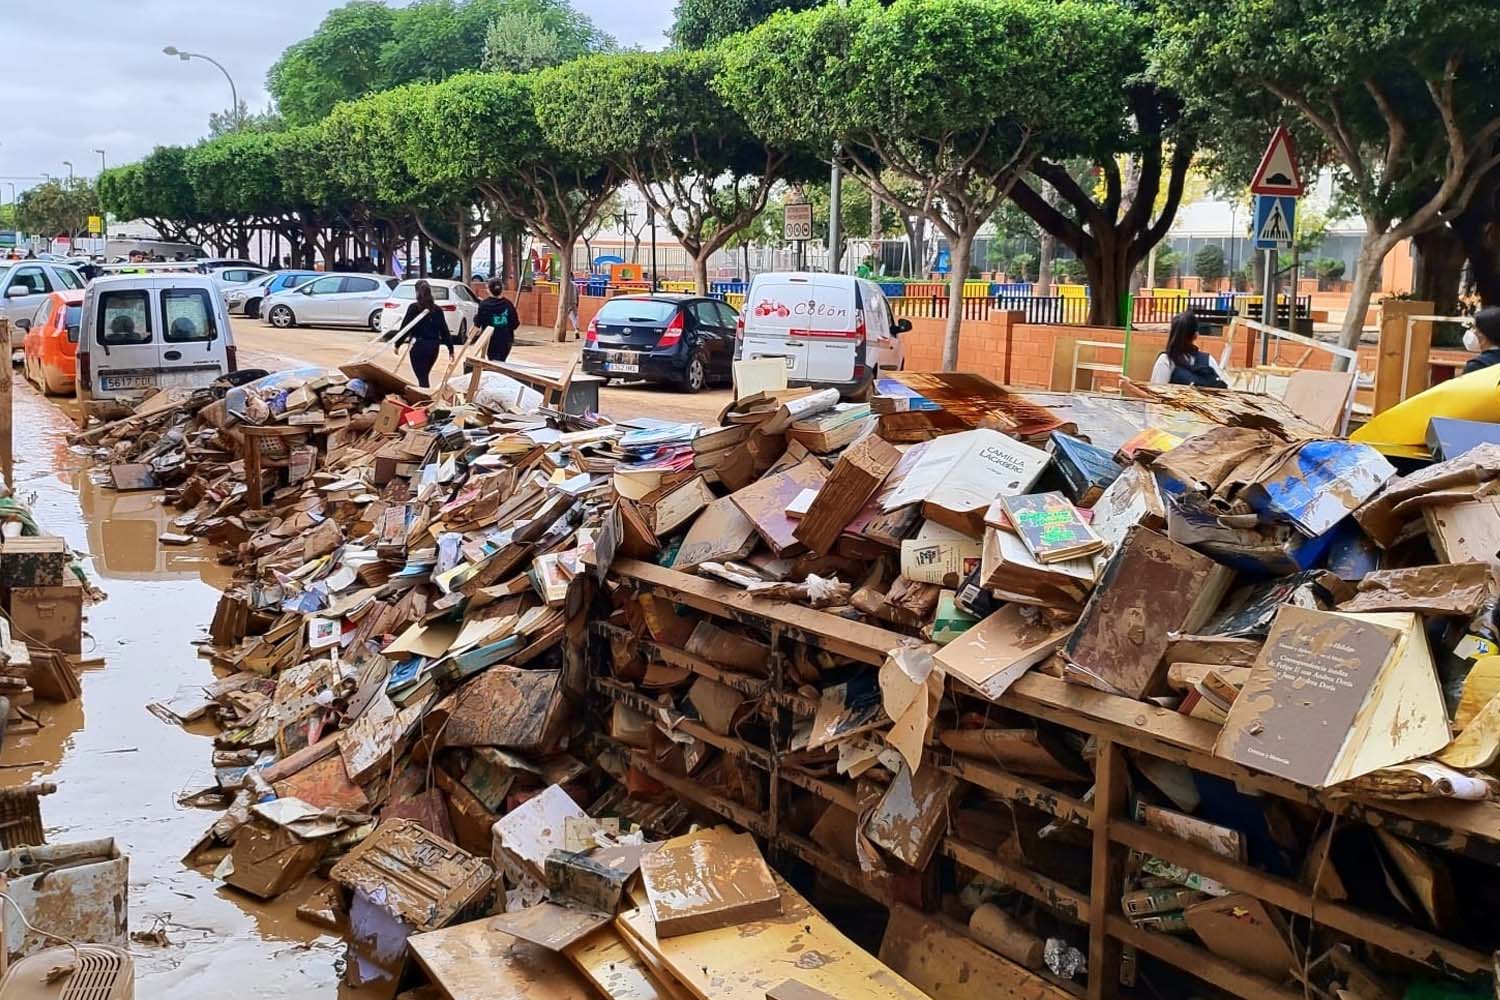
234,94
69,165
101,160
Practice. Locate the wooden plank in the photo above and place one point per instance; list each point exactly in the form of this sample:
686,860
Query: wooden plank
879,886
750,687
608,963
1411,943
855,640
1020,790
1471,828
1060,899
1198,962
825,790
1107,874
942,960
474,962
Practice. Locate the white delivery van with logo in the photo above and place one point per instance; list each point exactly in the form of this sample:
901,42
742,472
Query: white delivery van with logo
152,331
833,330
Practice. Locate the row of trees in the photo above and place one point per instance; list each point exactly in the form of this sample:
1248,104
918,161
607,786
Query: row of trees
56,207
1086,115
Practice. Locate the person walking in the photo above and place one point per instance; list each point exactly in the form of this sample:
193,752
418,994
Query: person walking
498,314
430,332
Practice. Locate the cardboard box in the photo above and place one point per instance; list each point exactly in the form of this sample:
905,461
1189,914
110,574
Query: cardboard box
33,561
50,615
388,420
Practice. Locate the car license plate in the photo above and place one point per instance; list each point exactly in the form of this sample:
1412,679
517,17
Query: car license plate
623,369
129,381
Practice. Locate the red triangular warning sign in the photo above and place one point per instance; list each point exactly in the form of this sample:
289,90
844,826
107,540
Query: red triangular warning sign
1277,173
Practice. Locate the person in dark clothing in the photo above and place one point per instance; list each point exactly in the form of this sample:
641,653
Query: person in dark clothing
430,332
498,315
1484,340
1182,363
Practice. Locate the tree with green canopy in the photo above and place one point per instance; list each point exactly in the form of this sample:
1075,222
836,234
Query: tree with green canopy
657,118
236,185
958,97
157,189
1403,94
338,62
1124,205
481,130
539,34
58,207
702,23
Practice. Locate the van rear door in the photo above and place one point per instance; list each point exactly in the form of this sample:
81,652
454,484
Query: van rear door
125,339
192,337
831,318
770,330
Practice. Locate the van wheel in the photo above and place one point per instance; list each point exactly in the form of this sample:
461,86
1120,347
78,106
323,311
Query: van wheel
696,376
374,321
281,318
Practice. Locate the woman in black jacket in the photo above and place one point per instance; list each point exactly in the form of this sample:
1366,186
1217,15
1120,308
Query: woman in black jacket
498,315
430,331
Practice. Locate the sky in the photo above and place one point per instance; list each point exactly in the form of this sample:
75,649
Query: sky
83,75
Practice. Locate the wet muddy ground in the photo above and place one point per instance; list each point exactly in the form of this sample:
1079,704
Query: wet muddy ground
118,768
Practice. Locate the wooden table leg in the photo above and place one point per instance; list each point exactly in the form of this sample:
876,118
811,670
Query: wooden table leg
1107,879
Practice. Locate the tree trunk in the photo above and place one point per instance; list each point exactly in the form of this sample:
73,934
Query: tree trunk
700,272
916,236
1109,278
1366,270
962,250
560,325
1439,268
1044,264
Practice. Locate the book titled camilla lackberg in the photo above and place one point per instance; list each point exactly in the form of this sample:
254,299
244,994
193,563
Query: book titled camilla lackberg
1051,527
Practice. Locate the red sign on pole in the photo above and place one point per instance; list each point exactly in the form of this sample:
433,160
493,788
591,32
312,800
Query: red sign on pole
1277,173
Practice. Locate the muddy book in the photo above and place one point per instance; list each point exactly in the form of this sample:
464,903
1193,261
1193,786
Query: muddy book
1334,695
1051,527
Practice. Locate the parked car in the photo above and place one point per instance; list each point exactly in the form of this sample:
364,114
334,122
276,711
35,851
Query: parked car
228,277
331,300
833,330
246,299
453,297
23,285
208,265
50,349
144,331
685,340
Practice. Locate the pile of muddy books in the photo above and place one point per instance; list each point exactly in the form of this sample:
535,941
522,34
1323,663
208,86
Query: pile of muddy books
1170,688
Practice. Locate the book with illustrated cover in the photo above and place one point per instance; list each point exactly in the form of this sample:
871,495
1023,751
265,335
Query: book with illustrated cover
1050,527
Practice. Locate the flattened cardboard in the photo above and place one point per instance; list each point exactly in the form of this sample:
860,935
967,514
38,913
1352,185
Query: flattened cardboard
1244,930
765,502
1457,589
707,880
993,655
1151,587
1334,696
550,925
721,533
859,473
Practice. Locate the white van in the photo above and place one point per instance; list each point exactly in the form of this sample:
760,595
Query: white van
144,331
834,330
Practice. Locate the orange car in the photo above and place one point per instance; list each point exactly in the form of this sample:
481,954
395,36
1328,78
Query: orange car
51,344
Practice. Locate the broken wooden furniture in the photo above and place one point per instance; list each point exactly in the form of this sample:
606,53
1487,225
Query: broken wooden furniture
256,462
567,391
21,815
1129,739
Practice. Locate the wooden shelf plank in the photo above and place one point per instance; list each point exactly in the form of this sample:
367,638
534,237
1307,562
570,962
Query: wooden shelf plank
1471,828
855,640
694,792
634,699
1060,899
825,790
1107,871
1411,943
750,687
1020,790
1198,962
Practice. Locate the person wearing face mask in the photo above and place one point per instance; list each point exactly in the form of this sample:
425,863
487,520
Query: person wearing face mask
1483,340
1182,363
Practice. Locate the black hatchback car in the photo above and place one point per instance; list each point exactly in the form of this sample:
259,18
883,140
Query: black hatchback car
684,340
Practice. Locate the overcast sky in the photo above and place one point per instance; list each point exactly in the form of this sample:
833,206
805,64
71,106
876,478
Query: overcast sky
83,75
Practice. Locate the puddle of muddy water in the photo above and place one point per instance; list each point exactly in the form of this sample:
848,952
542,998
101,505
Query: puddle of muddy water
119,769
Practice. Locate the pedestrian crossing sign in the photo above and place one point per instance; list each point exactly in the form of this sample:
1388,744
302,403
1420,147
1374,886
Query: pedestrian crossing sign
1275,221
